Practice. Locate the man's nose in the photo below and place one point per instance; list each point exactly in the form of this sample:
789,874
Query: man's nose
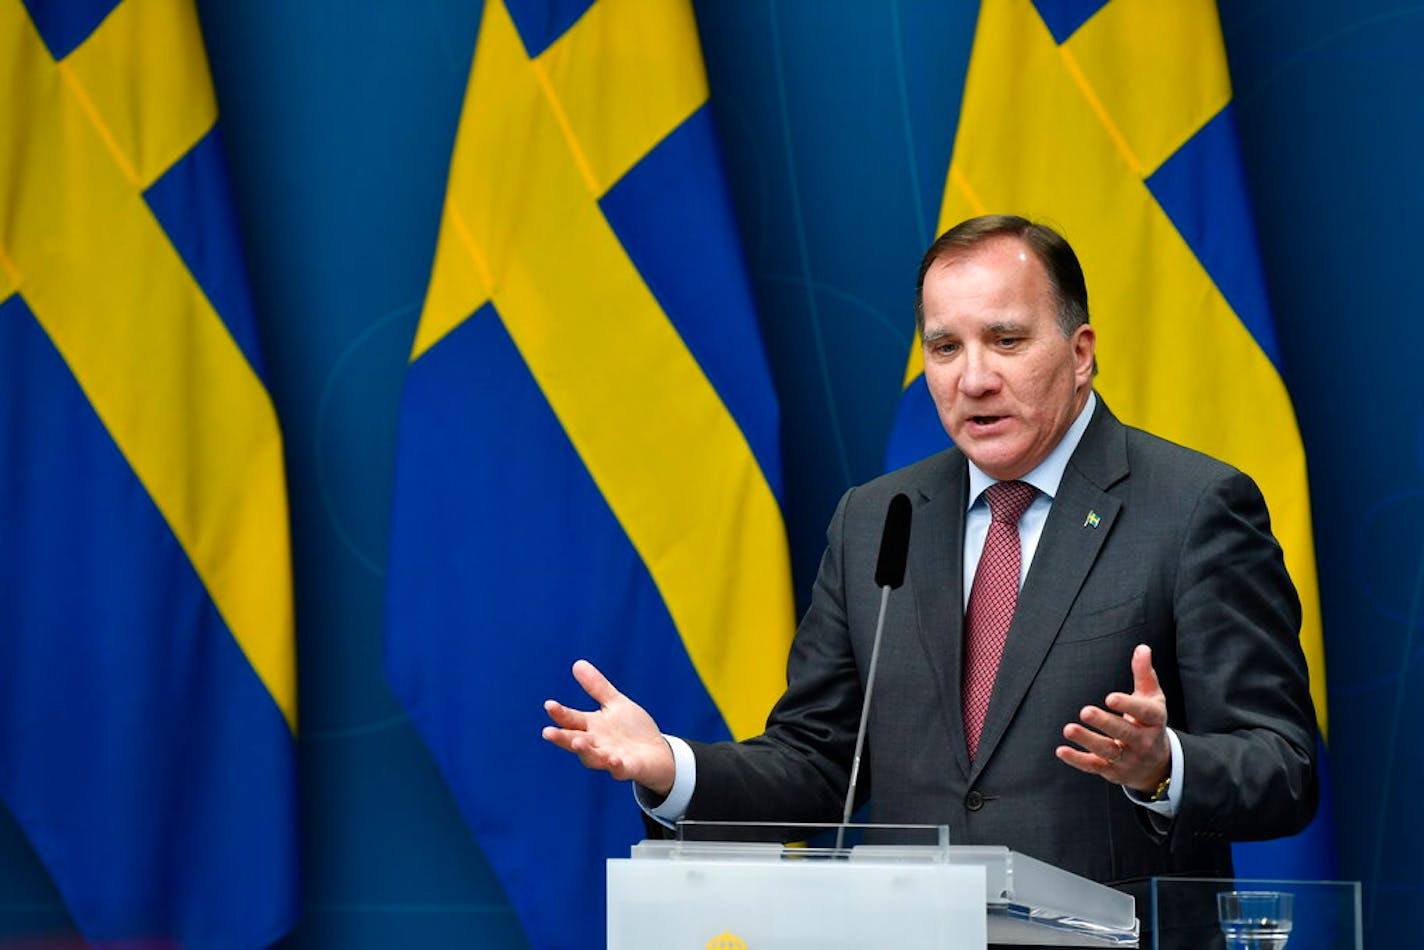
979,375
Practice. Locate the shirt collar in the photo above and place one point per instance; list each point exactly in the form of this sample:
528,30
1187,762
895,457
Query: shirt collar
1048,473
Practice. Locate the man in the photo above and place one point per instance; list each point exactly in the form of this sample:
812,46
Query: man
1153,625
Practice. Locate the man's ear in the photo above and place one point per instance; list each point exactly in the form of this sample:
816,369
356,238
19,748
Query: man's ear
1085,347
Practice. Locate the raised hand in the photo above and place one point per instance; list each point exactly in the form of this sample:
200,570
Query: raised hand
1127,746
619,737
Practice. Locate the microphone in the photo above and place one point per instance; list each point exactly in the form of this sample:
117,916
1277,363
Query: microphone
889,575
894,544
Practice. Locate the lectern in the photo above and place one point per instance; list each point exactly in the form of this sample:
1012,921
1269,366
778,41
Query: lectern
727,887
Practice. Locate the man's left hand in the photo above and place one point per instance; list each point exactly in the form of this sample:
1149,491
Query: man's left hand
1127,742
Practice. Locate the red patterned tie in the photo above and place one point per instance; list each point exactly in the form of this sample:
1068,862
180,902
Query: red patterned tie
991,602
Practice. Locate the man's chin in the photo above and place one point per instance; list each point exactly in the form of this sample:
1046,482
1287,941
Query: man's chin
994,459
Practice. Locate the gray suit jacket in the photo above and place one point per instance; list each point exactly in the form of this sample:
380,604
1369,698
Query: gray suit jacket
1182,558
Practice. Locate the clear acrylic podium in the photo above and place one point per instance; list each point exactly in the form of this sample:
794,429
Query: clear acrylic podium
728,886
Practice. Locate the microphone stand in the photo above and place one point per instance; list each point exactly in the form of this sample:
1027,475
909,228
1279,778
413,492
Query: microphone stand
864,718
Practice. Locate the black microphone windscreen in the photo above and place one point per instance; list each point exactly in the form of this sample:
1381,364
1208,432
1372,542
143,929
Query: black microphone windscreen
894,544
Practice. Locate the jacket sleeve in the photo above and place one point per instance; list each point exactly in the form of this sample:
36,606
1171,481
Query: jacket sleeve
1244,715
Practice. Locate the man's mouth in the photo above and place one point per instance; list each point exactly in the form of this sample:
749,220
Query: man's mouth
984,420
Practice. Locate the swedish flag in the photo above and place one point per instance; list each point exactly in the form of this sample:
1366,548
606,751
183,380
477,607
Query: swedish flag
147,680
1112,121
588,450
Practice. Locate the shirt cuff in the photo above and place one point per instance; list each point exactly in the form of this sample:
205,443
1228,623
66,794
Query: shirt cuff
1169,805
672,809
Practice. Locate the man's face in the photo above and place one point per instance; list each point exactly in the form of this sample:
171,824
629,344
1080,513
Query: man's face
1005,381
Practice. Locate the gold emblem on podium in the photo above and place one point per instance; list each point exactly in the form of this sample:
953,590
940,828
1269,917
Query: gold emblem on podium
725,941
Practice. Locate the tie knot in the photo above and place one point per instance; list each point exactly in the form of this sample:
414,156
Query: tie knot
1009,500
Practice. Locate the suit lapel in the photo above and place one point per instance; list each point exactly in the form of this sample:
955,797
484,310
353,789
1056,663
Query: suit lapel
1079,522
937,570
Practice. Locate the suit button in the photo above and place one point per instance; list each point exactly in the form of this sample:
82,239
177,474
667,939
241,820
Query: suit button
973,801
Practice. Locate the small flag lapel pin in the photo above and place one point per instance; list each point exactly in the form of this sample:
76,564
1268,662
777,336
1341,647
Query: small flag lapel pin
1093,520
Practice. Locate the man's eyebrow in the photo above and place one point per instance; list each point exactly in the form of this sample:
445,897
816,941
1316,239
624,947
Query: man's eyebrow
1010,327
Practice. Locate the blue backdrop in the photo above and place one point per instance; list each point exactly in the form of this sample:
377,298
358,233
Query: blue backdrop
836,121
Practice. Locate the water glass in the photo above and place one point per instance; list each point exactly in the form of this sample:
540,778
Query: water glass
1255,920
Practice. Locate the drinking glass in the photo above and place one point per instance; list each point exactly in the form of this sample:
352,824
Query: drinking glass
1255,920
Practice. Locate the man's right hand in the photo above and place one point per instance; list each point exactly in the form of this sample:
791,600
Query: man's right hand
619,737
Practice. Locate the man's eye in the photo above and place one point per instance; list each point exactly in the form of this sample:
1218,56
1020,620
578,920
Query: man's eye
946,349
1009,342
